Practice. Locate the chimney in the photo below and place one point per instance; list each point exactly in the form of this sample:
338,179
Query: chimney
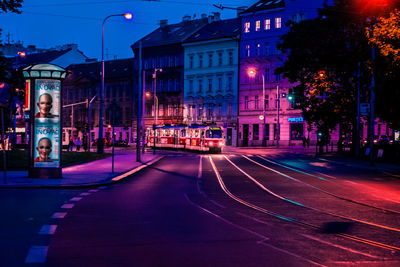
186,18
163,23
210,18
217,16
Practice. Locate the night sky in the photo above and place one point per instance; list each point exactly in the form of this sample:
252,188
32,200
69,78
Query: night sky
47,23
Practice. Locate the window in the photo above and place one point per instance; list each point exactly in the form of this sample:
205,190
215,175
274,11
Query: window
219,58
229,111
219,111
229,83
258,49
278,23
246,102
230,58
247,47
256,131
258,25
266,75
256,105
267,49
219,83
190,62
190,86
266,101
209,85
200,61
277,77
246,27
267,24
210,58
200,85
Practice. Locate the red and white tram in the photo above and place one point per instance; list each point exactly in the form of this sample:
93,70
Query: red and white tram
194,137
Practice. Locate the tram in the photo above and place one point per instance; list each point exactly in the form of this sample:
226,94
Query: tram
195,137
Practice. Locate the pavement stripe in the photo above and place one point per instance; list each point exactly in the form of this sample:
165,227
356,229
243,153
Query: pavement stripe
37,254
58,215
85,194
75,199
48,229
67,206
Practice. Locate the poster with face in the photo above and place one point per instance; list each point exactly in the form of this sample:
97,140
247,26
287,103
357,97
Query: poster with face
47,99
47,143
47,123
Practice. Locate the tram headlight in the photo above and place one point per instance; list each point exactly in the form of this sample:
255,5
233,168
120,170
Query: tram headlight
221,143
210,143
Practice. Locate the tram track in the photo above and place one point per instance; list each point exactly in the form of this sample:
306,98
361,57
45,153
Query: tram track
319,189
377,242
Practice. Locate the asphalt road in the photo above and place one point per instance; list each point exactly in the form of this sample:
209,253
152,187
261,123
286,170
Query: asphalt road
211,210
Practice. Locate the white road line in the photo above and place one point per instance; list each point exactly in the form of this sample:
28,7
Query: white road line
48,229
67,206
84,194
199,174
93,190
37,254
75,199
254,219
58,215
339,246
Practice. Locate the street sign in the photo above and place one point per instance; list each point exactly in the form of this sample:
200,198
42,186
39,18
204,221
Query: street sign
364,109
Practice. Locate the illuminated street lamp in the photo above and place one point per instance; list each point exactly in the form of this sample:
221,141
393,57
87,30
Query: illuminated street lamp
252,73
100,143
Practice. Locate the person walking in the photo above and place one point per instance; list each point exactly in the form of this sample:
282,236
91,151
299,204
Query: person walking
71,143
78,144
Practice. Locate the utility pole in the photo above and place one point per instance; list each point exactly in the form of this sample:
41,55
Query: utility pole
278,103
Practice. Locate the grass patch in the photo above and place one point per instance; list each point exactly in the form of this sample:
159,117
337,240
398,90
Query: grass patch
17,160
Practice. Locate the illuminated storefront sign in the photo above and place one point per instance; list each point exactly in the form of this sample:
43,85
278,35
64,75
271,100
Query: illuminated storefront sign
296,119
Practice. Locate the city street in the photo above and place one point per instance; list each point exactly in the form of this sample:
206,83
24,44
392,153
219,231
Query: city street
265,208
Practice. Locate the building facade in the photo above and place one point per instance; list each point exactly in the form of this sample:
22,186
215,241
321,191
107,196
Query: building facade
83,84
162,59
211,77
264,107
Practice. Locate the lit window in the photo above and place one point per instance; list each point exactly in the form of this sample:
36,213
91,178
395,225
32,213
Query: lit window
247,27
278,23
258,25
247,50
267,24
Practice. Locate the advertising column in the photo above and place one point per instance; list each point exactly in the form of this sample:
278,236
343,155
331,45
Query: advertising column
44,82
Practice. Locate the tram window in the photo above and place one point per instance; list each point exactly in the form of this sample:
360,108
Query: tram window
183,133
213,134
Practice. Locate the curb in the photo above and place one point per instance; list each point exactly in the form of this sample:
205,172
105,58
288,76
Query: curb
109,181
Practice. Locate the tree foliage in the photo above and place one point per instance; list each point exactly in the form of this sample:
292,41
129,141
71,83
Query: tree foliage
11,6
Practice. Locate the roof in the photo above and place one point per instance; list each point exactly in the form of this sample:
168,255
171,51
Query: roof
37,58
265,5
113,69
171,34
216,30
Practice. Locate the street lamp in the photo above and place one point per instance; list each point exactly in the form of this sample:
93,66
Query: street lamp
100,143
252,73
155,105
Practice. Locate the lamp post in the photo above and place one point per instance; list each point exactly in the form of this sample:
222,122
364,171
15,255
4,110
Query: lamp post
155,106
252,73
100,142
278,126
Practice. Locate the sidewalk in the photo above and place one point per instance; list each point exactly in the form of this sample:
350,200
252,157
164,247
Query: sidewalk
94,173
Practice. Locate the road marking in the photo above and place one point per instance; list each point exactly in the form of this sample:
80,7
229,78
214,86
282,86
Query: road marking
254,219
48,229
67,206
199,174
37,254
124,175
339,246
84,194
93,190
75,199
58,215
